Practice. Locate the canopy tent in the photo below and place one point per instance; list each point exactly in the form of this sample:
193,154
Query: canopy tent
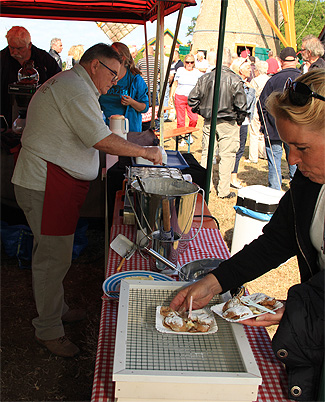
131,12
124,11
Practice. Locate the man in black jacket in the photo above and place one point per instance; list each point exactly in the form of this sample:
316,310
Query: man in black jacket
20,49
56,49
273,144
231,114
312,52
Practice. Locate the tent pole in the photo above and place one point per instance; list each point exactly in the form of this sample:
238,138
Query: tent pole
162,78
155,78
215,104
146,50
178,24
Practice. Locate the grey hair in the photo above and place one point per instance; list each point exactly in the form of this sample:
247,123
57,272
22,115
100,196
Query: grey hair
98,51
19,33
262,66
226,57
53,41
237,63
314,45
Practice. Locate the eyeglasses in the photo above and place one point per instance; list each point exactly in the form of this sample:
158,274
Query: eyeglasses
299,93
115,76
189,62
302,50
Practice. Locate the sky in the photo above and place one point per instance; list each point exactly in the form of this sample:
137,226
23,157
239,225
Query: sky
87,33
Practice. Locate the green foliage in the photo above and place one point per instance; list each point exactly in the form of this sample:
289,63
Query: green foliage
190,28
304,11
138,57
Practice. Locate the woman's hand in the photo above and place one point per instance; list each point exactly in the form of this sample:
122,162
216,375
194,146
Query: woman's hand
265,320
126,100
201,291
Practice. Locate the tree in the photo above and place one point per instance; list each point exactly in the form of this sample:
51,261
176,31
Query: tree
309,19
190,29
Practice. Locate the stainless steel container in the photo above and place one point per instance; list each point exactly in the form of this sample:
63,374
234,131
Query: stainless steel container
164,209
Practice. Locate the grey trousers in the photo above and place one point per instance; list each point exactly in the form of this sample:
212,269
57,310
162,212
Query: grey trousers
227,143
51,260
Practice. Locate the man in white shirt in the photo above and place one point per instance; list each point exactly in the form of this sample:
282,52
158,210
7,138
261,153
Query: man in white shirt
52,175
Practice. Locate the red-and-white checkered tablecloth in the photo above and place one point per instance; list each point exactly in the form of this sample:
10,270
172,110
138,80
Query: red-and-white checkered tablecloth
208,244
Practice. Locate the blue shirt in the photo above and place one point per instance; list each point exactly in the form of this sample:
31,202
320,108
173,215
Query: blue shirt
134,86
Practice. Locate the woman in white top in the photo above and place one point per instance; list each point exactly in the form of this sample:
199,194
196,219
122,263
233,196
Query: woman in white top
185,80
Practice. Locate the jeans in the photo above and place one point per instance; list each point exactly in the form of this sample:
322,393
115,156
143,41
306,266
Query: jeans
274,155
166,100
242,142
292,168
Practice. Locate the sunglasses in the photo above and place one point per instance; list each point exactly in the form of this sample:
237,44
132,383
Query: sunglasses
115,76
299,93
190,62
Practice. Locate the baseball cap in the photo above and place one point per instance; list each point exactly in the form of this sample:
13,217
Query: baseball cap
288,54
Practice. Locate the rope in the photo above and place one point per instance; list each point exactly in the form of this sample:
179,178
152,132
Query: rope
308,21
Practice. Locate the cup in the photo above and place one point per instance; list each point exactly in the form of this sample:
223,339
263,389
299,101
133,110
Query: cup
119,125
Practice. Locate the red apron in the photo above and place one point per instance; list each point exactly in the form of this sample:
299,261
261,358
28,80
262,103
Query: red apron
64,196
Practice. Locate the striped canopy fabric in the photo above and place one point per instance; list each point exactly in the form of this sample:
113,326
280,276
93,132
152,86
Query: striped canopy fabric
126,11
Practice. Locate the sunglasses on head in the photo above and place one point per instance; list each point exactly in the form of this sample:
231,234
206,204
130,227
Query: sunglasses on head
299,93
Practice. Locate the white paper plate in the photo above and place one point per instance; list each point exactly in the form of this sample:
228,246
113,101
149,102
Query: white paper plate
112,283
161,328
217,308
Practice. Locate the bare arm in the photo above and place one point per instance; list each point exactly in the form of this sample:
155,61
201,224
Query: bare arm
173,90
115,145
202,292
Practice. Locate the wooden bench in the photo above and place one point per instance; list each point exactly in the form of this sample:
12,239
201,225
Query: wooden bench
180,132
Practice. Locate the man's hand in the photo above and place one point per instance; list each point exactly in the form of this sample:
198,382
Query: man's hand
265,320
153,154
202,292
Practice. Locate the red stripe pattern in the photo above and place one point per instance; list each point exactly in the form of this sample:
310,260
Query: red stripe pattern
207,244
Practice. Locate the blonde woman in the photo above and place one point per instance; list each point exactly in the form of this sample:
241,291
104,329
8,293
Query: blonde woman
295,229
185,79
74,55
129,97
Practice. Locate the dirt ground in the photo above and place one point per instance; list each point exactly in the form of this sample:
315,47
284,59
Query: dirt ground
31,373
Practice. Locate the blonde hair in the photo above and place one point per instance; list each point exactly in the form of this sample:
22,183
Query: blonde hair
128,61
19,33
262,66
76,52
312,114
189,56
237,64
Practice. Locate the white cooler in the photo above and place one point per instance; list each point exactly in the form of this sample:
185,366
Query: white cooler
254,208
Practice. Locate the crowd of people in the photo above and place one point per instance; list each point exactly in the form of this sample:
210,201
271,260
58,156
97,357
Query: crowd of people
258,79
